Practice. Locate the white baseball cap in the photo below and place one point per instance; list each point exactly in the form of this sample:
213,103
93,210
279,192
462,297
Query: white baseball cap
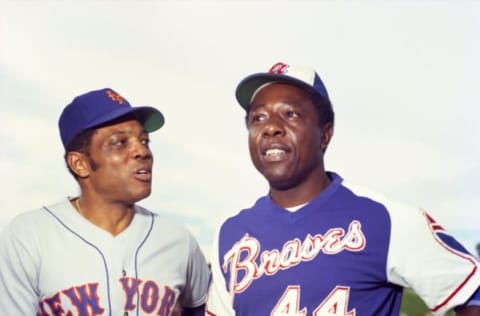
280,72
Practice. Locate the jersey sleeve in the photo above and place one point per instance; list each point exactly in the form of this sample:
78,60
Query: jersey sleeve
18,276
196,288
424,257
219,300
475,299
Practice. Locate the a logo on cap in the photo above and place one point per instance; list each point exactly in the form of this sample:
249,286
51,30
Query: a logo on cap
115,97
278,68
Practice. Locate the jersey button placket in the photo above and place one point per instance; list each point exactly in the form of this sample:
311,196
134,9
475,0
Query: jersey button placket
124,274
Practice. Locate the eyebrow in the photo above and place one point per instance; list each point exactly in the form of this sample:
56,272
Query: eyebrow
290,101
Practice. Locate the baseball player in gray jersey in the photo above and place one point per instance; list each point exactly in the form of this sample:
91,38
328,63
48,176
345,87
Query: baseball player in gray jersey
100,253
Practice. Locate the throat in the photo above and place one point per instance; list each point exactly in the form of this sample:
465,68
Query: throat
301,194
112,218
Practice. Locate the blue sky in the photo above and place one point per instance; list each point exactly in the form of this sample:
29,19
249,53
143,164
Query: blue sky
403,77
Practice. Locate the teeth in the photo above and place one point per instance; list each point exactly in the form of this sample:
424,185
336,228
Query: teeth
142,171
274,151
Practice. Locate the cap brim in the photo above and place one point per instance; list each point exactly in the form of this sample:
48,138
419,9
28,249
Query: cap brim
247,87
151,118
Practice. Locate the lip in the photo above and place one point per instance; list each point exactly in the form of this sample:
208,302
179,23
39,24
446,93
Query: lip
143,174
282,152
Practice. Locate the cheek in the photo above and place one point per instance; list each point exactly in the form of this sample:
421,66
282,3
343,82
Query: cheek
114,163
116,157
310,143
253,148
252,142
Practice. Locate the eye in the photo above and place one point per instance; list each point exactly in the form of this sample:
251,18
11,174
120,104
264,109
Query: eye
256,117
145,141
120,142
292,114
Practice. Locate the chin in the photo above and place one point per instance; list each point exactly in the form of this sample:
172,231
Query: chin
141,195
276,175
279,182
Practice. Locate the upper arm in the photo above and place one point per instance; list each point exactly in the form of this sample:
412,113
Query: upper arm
17,275
424,257
195,291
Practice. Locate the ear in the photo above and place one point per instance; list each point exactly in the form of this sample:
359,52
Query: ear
78,163
327,134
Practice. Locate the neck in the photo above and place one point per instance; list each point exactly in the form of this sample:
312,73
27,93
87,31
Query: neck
301,193
111,217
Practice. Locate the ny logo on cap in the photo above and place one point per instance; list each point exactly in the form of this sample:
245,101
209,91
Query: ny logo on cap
278,68
115,97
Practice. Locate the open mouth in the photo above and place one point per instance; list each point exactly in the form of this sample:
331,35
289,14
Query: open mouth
275,153
143,174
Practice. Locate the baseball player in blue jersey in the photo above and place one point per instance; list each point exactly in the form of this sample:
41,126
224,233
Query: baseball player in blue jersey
316,245
100,253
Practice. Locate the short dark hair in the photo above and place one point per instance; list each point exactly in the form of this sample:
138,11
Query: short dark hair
81,143
324,109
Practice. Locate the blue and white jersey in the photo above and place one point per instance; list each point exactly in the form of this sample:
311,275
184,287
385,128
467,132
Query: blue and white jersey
347,252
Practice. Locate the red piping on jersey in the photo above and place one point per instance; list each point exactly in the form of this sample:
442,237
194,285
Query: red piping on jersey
456,290
435,227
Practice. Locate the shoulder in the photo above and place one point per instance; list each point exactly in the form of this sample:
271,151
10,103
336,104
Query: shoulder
165,228
163,222
247,215
401,218
28,229
34,220
394,207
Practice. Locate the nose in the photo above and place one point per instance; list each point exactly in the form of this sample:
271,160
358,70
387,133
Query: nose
141,151
273,127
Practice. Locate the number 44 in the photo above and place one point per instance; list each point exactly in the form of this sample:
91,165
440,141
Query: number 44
335,304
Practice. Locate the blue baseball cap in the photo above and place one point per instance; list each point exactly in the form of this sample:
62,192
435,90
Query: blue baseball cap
280,72
98,107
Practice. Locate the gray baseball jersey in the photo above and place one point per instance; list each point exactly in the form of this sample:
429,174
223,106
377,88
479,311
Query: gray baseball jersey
55,262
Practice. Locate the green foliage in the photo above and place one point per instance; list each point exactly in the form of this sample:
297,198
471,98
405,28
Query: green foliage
412,305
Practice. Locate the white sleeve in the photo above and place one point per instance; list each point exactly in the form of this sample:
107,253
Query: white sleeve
18,274
219,300
422,256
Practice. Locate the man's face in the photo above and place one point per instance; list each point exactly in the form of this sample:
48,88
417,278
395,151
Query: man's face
123,162
286,141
